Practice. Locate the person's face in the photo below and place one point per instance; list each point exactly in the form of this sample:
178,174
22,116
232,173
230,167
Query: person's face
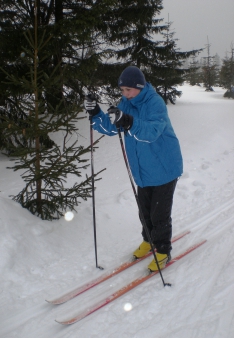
129,93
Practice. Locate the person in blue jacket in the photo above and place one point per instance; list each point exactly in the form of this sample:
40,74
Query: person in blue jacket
153,153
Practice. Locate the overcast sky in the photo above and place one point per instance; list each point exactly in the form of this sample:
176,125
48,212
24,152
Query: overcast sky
194,20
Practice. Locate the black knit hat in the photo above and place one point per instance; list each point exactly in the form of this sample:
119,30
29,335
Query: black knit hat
132,77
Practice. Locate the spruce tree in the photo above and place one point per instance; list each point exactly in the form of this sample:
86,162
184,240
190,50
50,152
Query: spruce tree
131,27
136,30
140,38
227,75
209,70
169,71
194,76
38,100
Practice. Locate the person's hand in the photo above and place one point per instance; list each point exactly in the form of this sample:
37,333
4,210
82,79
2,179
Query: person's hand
91,105
120,119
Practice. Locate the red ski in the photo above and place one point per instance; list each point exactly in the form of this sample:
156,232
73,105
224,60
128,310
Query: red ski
123,290
74,293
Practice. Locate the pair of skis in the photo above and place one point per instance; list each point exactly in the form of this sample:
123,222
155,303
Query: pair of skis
81,289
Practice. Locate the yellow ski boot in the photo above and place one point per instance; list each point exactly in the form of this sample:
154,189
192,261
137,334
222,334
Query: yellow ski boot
163,259
143,249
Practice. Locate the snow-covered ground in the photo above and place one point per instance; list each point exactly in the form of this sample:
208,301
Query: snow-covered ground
40,259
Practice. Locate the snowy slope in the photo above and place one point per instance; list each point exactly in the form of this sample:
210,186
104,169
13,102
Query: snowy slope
40,259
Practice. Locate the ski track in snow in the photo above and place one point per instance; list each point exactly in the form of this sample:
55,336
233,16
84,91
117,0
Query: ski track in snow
200,302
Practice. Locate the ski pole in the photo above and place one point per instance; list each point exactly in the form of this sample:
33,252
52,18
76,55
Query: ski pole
93,195
139,207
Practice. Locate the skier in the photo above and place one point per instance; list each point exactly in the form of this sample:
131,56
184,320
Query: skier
153,153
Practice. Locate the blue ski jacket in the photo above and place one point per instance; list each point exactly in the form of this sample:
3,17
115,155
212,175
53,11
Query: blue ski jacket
152,147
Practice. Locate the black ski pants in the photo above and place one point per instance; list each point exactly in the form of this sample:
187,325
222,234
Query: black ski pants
156,205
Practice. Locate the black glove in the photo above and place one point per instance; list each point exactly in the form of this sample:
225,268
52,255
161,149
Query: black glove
120,119
91,105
